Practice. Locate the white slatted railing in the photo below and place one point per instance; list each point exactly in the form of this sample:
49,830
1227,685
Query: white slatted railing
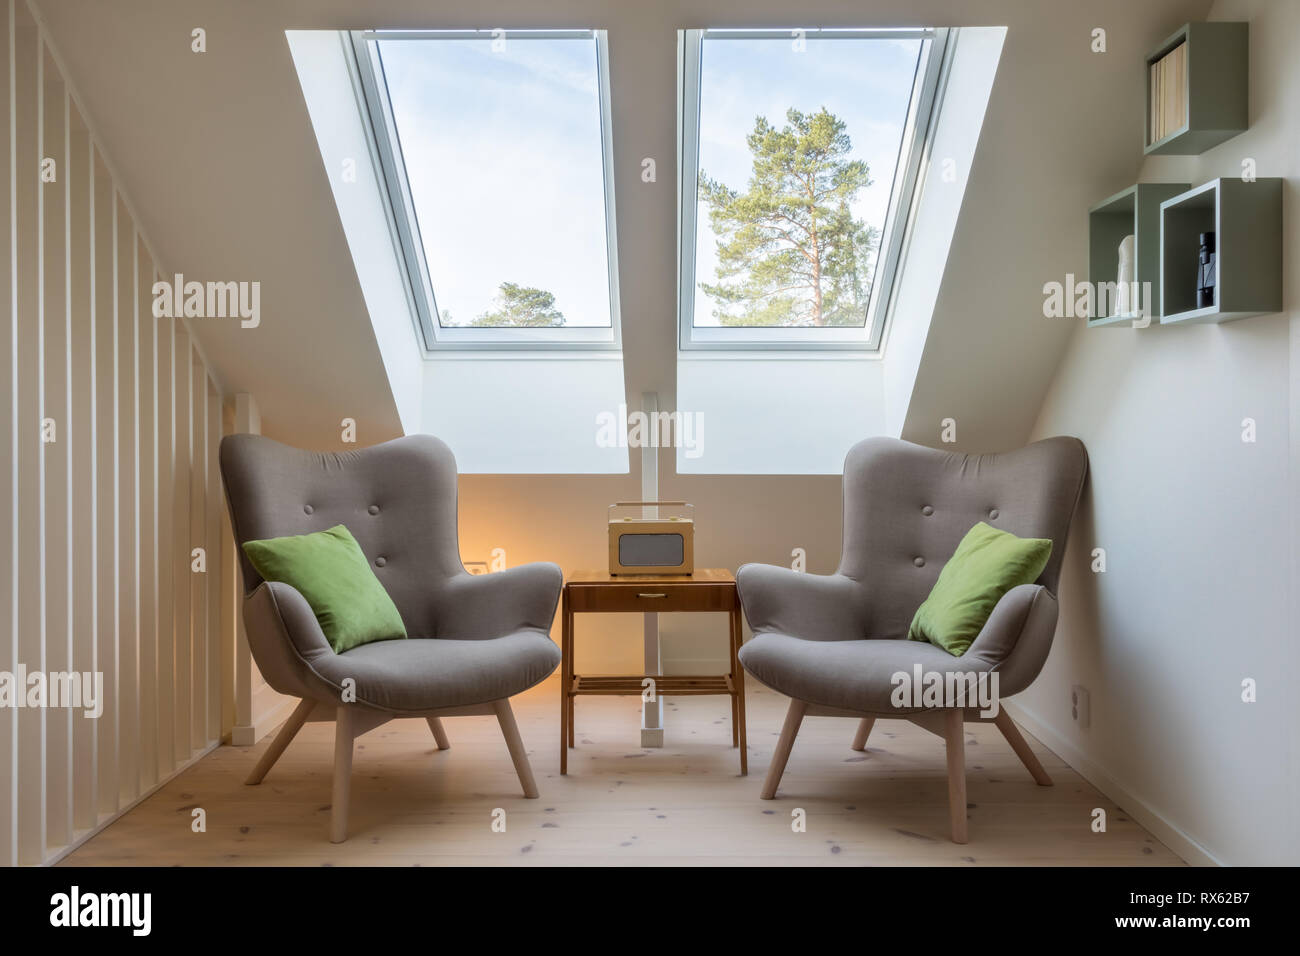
99,522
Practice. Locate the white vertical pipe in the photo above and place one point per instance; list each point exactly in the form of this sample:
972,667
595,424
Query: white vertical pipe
652,725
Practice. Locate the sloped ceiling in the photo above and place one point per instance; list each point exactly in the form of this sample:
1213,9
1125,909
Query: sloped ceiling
218,156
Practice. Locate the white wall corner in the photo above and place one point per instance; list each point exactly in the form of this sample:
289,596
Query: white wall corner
1160,826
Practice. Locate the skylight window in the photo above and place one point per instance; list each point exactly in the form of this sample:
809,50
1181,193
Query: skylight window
801,152
495,149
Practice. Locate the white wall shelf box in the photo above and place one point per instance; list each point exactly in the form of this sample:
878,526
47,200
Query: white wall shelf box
1246,218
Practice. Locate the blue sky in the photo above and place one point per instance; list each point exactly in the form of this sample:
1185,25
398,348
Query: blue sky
503,150
503,154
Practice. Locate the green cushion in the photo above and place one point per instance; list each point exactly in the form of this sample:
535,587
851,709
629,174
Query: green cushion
986,565
329,569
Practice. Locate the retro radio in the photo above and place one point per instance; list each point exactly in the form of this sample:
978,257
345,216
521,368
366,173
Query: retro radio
654,541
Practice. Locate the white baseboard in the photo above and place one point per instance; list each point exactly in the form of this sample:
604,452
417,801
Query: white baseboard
79,838
1167,832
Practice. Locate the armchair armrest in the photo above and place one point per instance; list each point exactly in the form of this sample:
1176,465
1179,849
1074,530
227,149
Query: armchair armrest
1017,636
475,606
820,607
285,638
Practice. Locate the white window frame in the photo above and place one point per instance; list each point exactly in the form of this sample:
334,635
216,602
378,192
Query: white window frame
377,117
905,189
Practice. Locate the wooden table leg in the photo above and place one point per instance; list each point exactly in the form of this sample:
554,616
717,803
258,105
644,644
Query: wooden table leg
731,654
566,682
738,682
735,712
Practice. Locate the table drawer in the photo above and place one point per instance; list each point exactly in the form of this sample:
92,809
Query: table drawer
639,598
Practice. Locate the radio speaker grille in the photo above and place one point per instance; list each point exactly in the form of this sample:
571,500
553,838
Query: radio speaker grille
651,550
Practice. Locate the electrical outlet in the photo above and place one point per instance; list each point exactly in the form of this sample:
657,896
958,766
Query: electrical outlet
1080,705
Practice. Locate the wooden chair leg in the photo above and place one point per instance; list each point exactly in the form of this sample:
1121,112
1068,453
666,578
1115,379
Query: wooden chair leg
439,734
1021,747
864,731
343,738
281,741
510,730
793,718
955,735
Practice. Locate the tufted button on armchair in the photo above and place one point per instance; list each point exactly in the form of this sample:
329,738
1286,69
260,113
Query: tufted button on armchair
834,643
473,641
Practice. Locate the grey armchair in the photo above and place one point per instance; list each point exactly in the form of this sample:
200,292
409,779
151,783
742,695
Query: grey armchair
473,641
832,643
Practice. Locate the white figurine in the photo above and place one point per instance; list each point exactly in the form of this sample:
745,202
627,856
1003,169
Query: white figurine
1125,299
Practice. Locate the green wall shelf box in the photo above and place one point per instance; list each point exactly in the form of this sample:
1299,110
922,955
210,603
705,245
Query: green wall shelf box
1131,212
1246,218
1213,96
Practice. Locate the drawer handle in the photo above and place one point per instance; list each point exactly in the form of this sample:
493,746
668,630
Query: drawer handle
644,595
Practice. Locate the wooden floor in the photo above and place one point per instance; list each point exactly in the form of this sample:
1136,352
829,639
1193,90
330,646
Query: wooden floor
682,805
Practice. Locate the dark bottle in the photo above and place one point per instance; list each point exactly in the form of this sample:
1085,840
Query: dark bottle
1205,272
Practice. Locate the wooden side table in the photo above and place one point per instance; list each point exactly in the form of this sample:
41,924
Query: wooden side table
708,589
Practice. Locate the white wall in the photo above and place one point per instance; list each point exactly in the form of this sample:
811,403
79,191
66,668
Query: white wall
95,566
758,414
1200,532
511,413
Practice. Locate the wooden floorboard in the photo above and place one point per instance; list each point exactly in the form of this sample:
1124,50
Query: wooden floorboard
619,804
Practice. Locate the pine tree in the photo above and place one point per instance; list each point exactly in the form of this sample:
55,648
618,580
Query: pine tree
790,252
519,306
